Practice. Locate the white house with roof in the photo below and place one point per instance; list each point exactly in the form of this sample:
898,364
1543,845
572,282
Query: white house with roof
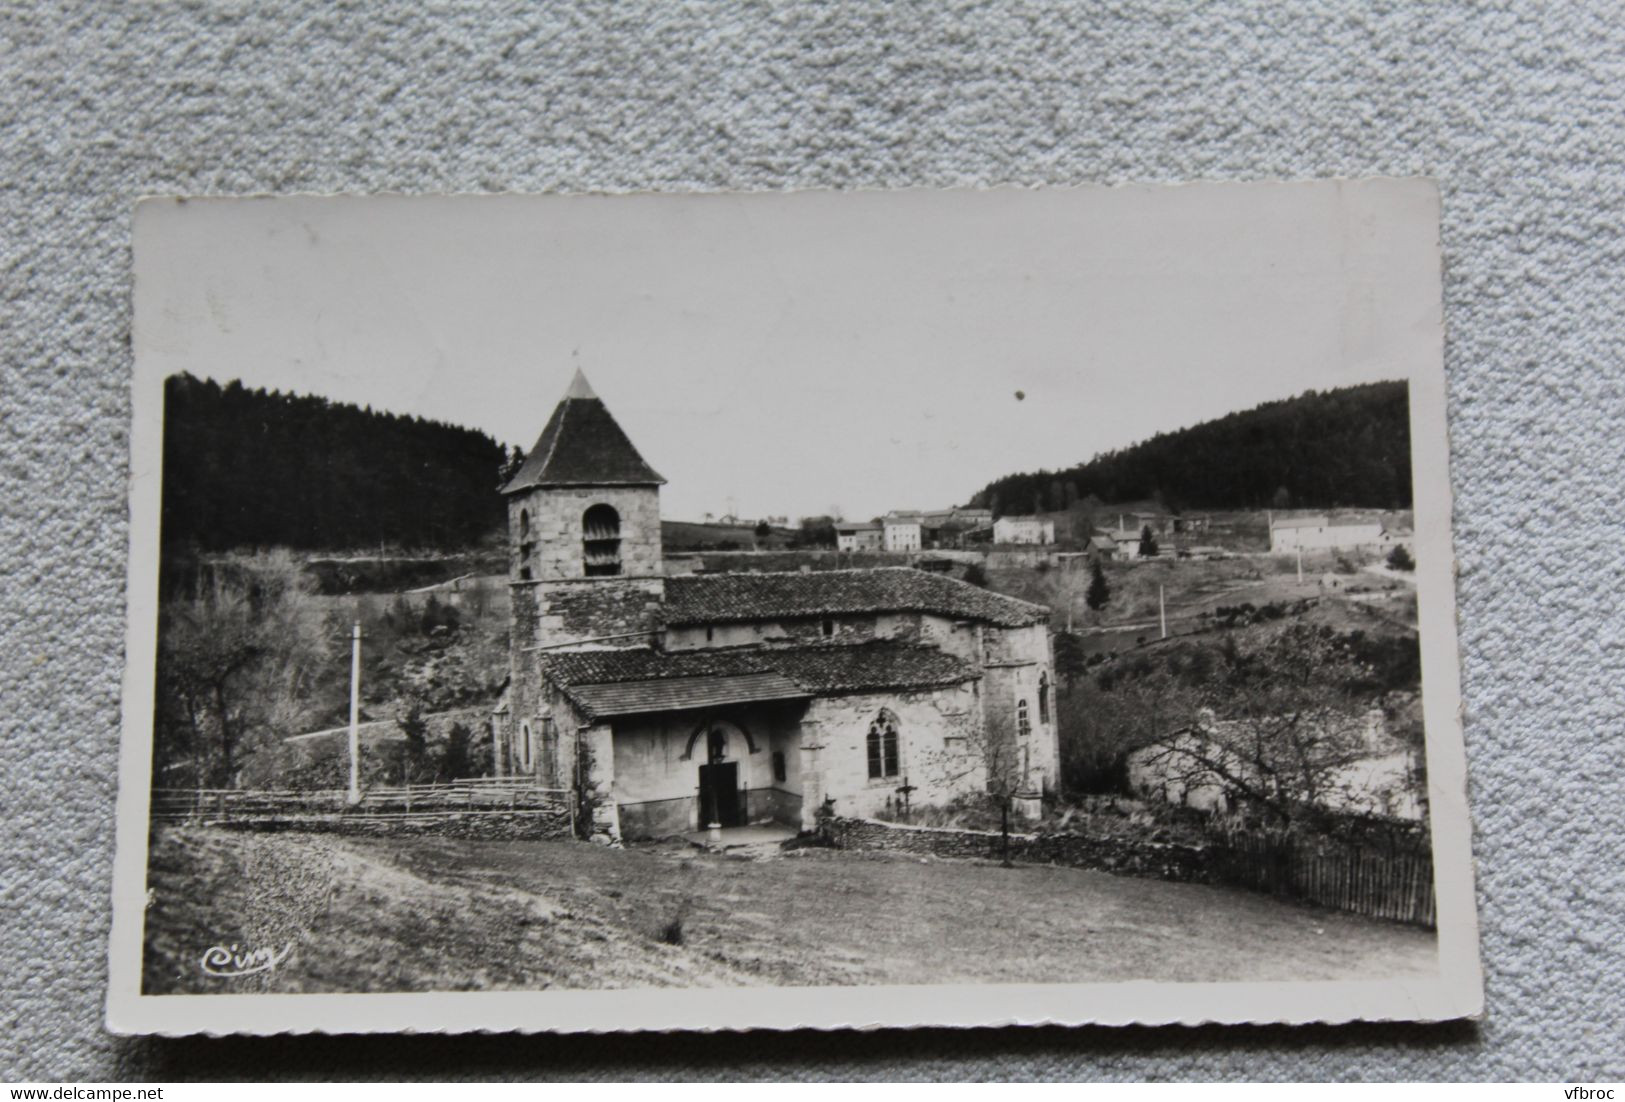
903,531
682,702
1030,530
858,536
1321,532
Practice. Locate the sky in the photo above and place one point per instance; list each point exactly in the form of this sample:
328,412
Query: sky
789,354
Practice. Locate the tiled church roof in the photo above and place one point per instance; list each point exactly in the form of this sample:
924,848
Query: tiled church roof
724,598
582,446
620,682
867,667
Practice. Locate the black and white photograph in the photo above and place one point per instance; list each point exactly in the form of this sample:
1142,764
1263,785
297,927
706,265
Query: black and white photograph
696,611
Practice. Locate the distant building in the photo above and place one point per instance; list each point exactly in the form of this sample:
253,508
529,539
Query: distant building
1161,522
858,536
902,531
1034,530
950,528
1128,543
1102,546
1321,532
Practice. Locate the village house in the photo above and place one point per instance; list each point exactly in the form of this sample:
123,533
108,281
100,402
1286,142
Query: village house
1102,547
903,531
1030,530
685,702
953,528
857,536
1321,532
1127,541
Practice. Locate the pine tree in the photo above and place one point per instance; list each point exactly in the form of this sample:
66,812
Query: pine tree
414,752
1148,543
510,466
1099,592
1319,450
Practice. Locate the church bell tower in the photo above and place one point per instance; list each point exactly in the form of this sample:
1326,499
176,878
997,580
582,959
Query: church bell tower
584,504
585,566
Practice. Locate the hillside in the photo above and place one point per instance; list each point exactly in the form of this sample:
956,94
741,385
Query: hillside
686,535
253,468
1344,447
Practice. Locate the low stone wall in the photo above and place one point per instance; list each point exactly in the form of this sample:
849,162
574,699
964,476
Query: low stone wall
543,823
1163,860
1372,880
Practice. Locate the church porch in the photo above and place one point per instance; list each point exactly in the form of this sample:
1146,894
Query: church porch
683,772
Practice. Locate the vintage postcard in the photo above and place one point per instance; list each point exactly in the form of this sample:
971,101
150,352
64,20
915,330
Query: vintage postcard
826,610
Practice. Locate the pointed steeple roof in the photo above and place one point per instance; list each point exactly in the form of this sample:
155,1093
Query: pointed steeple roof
580,387
582,446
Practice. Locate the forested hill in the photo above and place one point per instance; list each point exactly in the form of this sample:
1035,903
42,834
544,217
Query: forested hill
245,468
1319,450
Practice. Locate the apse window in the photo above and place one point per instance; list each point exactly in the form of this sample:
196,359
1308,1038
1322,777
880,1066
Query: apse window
882,746
601,541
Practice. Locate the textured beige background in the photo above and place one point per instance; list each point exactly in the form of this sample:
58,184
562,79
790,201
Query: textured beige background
1516,108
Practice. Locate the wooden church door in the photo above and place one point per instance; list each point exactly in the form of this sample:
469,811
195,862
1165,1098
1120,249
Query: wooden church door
719,784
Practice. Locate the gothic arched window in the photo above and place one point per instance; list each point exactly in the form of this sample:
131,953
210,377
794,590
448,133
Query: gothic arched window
1024,725
601,541
1043,698
882,745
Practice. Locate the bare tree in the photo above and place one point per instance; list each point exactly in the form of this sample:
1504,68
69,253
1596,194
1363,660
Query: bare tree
236,666
206,645
998,758
1277,729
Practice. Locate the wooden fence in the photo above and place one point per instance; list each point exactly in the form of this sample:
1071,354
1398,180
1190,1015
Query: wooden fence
1384,881
470,796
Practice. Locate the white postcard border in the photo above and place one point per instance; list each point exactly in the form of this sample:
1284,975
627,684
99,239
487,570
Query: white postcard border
1456,993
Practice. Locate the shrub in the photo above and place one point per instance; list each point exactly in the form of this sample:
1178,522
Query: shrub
1400,559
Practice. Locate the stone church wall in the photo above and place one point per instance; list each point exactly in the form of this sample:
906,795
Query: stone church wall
1019,660
938,747
566,612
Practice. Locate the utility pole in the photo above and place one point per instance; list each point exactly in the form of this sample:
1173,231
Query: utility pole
1300,566
1162,610
355,715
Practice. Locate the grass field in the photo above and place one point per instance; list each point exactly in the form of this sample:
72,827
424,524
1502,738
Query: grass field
419,914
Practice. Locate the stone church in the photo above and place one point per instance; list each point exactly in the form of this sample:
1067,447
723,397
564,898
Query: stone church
686,702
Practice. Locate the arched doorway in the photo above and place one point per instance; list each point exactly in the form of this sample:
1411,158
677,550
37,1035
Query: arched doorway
719,746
